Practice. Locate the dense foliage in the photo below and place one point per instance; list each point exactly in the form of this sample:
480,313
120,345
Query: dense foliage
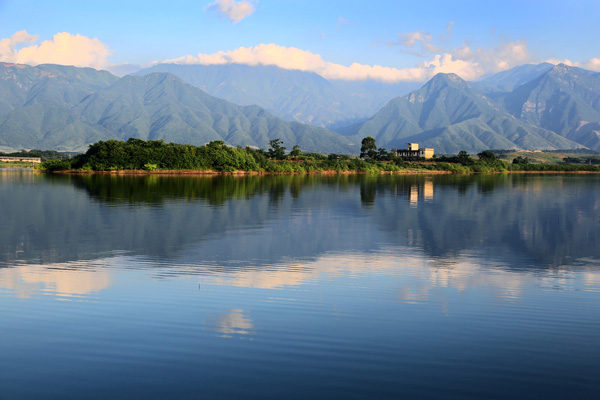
43,154
149,155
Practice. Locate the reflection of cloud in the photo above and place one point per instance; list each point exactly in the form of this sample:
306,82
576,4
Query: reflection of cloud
234,322
26,280
417,278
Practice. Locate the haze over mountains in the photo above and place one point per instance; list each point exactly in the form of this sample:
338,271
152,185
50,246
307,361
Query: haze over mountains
529,107
293,95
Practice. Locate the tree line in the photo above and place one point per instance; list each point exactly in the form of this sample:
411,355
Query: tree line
149,155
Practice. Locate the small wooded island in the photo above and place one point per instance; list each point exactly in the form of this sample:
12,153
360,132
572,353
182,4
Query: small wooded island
156,156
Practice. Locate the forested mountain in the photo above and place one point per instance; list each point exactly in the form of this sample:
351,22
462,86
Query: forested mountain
528,107
67,108
36,102
565,100
450,115
290,94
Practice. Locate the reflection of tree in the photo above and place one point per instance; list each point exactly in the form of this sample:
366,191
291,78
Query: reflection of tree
156,189
368,191
537,221
529,220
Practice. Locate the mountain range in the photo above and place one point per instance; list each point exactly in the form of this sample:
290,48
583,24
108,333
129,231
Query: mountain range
290,94
68,108
529,107
449,115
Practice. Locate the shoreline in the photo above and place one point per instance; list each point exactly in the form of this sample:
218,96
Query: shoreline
237,173
268,173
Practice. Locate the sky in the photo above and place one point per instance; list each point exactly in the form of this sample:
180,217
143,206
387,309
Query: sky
385,40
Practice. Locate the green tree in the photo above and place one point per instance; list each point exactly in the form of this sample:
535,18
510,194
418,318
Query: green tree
296,152
520,160
487,156
276,151
382,154
464,158
368,148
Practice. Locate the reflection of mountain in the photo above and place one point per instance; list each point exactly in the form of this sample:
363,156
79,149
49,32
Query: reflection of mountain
240,224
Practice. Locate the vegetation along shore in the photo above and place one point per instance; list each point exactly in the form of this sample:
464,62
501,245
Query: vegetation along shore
136,156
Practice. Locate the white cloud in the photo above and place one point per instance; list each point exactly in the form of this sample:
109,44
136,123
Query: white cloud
235,11
464,61
8,47
421,38
297,59
468,62
593,64
64,48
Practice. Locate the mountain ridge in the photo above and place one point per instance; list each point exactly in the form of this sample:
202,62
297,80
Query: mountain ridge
450,115
66,108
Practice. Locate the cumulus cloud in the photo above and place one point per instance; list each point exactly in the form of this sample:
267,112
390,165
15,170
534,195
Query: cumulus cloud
233,10
64,48
467,61
8,47
464,61
471,63
303,60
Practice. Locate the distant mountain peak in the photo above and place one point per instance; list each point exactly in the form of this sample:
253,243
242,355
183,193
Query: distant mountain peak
561,69
447,77
442,80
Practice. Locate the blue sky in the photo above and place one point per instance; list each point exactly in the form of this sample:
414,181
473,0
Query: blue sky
385,40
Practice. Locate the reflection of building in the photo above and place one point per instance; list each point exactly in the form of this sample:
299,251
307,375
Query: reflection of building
415,192
414,151
428,190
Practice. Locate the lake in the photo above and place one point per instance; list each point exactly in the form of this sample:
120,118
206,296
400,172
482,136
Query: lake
295,287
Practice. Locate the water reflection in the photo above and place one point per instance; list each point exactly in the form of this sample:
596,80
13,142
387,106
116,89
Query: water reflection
522,222
233,322
364,286
63,280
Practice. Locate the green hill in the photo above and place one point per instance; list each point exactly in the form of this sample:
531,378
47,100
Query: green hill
450,115
565,100
67,108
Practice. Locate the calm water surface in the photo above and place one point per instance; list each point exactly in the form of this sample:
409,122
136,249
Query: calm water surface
293,287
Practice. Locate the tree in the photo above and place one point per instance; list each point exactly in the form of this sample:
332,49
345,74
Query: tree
487,156
368,148
276,150
520,160
464,158
382,154
295,151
